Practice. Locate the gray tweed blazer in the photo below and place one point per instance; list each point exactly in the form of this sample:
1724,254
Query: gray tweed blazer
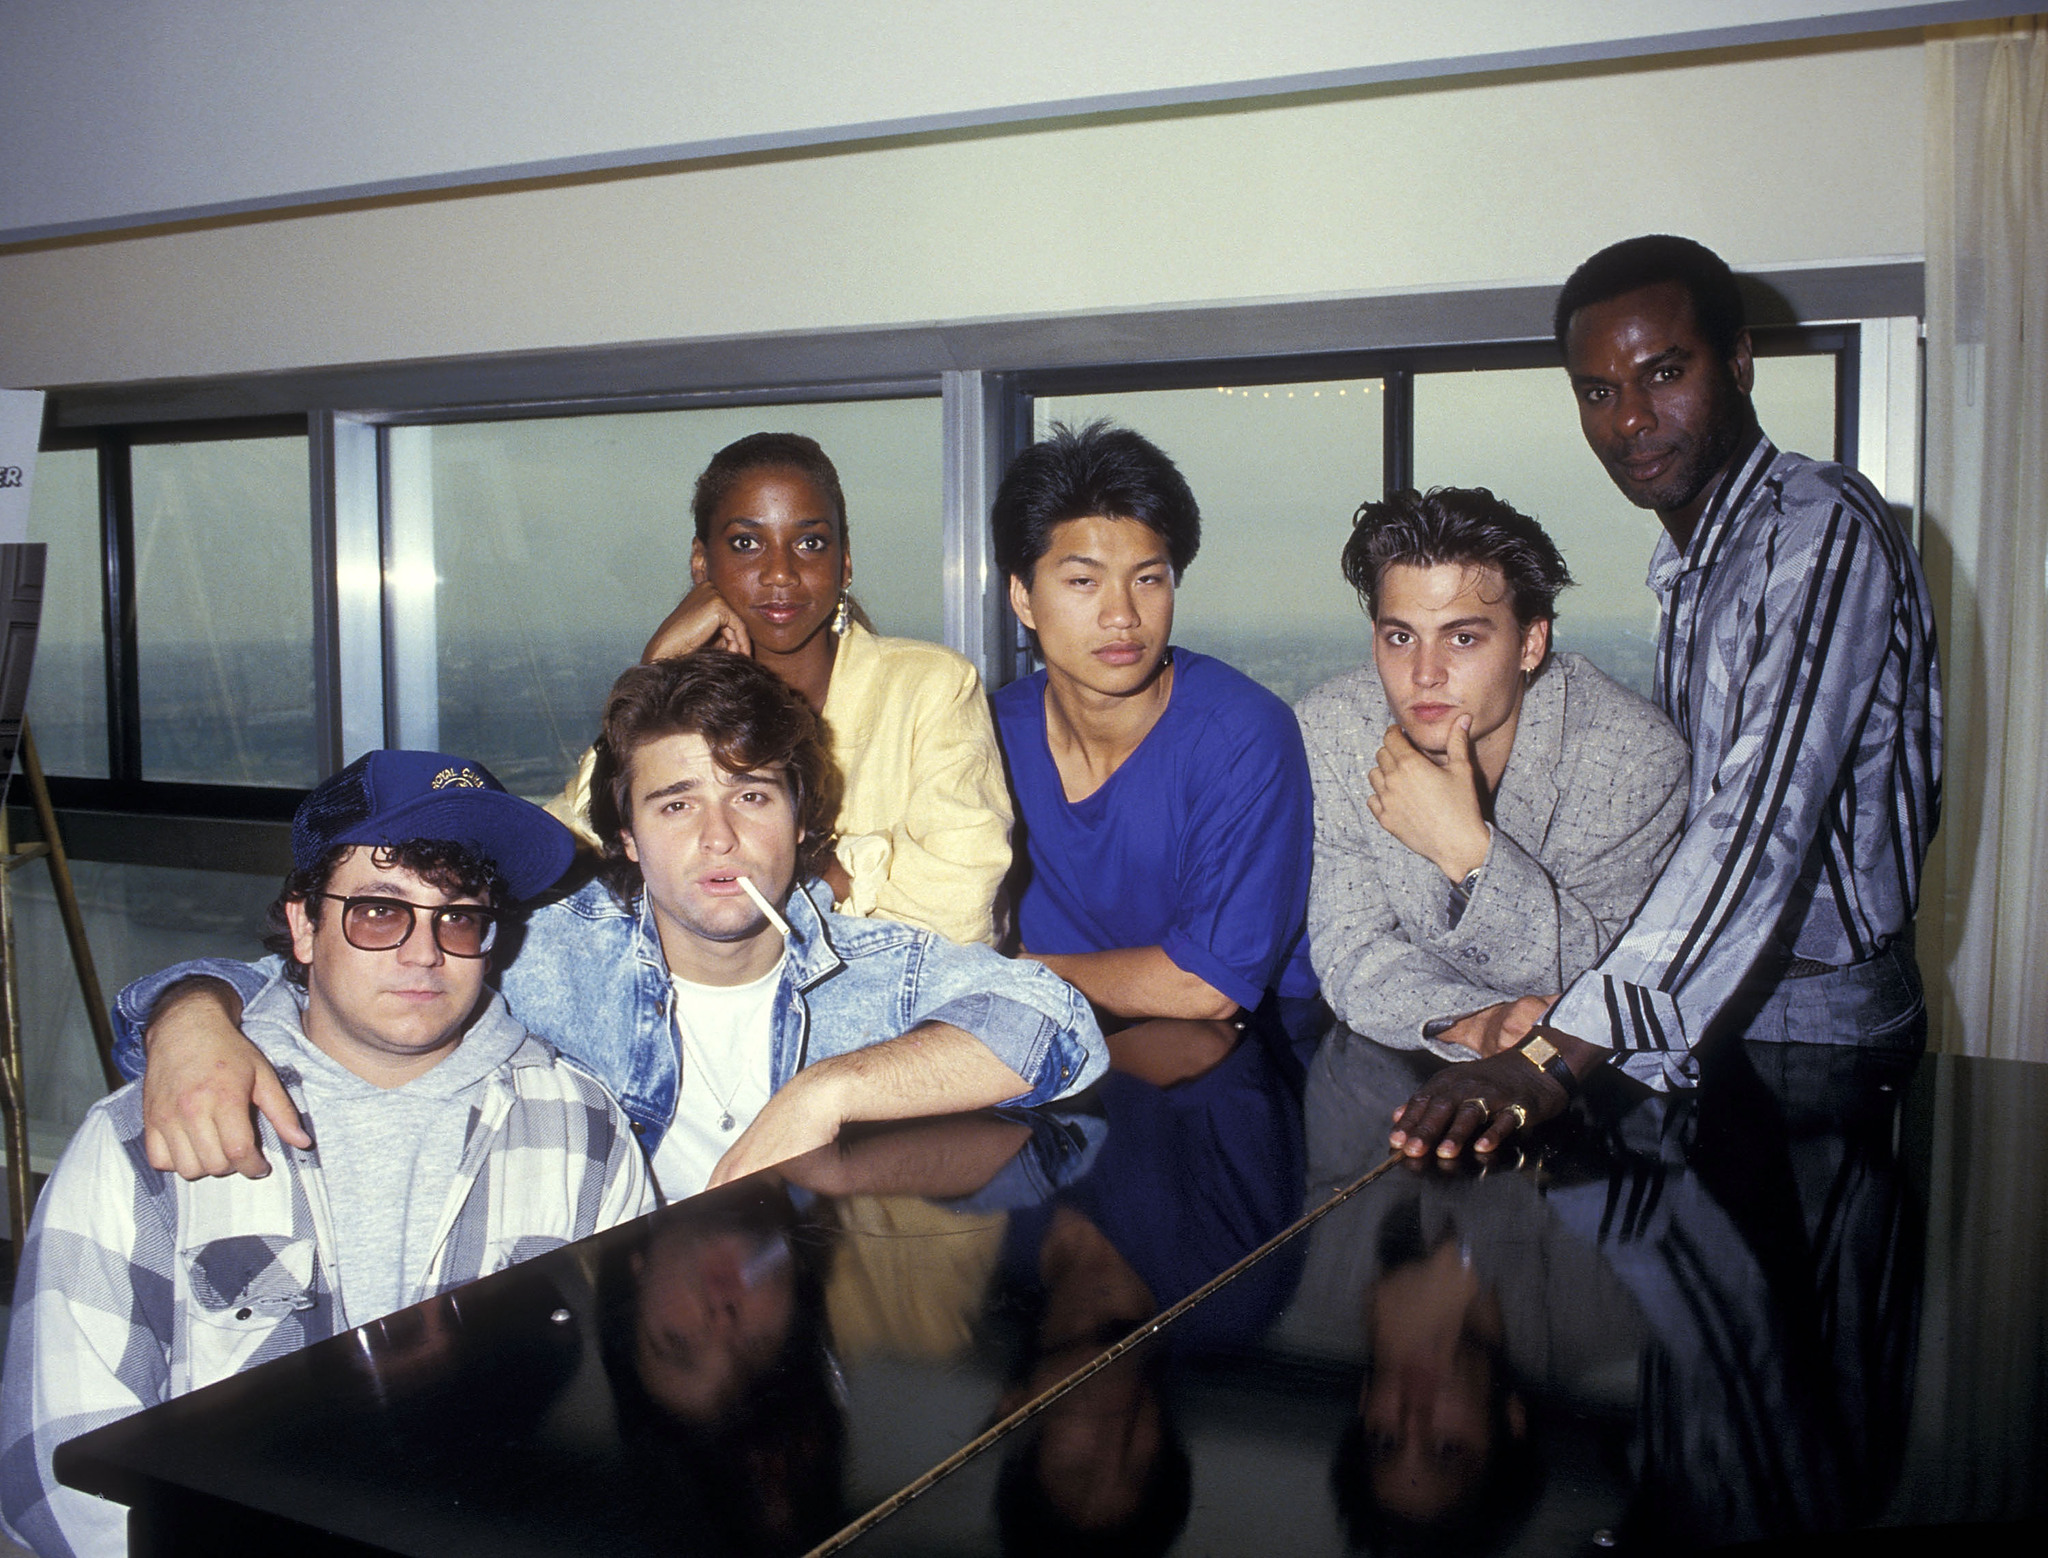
1587,812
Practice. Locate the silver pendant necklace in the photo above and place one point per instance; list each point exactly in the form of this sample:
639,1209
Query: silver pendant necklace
693,1052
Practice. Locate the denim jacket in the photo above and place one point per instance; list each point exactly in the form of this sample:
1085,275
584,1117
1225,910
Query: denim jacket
589,977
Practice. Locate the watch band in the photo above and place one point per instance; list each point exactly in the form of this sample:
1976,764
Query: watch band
1546,1058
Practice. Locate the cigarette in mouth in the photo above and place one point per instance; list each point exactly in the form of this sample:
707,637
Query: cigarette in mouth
747,886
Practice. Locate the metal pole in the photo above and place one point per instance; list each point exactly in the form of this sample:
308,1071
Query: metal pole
11,1091
67,906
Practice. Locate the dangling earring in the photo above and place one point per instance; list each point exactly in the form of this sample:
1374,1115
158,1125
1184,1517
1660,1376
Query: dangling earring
841,619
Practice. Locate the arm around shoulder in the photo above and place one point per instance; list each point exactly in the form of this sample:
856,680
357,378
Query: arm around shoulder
137,1001
204,1078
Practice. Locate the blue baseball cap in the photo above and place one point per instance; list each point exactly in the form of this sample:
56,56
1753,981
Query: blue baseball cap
390,796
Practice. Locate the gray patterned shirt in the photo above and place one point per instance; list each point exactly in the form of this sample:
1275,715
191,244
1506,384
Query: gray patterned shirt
1796,657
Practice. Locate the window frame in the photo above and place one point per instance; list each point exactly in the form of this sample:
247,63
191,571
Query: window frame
986,416
125,789
1397,369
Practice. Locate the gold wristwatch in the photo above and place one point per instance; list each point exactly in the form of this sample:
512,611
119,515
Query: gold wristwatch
1548,1059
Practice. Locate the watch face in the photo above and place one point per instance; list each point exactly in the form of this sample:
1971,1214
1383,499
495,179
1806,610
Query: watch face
1539,1049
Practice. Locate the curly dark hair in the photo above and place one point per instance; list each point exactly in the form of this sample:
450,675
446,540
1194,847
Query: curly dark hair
764,452
455,869
1650,261
1455,525
1101,470
753,721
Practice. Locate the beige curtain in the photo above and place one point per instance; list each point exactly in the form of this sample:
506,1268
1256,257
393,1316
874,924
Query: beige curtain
1984,916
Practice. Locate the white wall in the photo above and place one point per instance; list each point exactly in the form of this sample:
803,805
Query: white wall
119,111
1805,154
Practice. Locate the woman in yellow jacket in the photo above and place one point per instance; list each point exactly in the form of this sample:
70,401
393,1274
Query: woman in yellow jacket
924,820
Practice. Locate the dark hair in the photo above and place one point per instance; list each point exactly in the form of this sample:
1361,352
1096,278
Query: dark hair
1497,1506
759,452
1484,1522
766,1473
1651,261
752,720
1455,525
1029,1523
1102,470
455,869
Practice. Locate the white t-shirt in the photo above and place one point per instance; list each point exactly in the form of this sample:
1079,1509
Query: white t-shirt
726,1033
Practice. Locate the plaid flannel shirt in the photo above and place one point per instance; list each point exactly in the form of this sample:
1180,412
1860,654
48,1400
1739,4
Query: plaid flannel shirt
137,1286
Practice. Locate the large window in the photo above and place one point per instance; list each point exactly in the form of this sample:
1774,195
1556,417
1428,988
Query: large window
1278,470
513,565
529,560
1515,431
67,694
203,672
224,612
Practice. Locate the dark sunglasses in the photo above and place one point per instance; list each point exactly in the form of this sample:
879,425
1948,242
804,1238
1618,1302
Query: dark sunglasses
371,924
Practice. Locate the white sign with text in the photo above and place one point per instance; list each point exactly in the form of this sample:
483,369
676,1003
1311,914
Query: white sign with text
21,429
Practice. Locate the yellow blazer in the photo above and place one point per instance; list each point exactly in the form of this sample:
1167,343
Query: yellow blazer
924,825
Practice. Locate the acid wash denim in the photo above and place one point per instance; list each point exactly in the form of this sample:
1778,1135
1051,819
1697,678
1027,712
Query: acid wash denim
588,976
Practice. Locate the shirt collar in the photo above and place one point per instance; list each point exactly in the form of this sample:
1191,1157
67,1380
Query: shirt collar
1526,798
1710,535
810,951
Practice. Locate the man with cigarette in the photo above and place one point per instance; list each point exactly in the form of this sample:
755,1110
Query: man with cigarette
1795,654
737,1018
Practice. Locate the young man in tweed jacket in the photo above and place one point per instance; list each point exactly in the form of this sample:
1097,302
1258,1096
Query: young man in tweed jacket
1488,813
444,1141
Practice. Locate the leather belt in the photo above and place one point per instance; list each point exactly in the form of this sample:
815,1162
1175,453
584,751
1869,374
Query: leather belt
1810,968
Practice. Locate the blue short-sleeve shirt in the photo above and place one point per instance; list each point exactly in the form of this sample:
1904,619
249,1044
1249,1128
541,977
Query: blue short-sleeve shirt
1200,844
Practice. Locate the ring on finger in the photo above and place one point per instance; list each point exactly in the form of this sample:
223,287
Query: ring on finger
1521,1114
1485,1109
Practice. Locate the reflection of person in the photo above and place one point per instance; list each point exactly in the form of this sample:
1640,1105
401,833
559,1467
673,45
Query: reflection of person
1487,813
1796,656
1725,1276
1193,1175
1102,1469
1162,797
1440,1443
923,822
451,1142
727,1398
731,1044
1478,1320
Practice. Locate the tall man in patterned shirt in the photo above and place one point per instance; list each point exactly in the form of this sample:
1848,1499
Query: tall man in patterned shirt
1795,654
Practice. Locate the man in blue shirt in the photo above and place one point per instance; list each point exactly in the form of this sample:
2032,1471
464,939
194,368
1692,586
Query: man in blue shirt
737,1028
1163,804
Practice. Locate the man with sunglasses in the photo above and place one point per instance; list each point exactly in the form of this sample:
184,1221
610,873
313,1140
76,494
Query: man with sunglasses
442,1140
739,1025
